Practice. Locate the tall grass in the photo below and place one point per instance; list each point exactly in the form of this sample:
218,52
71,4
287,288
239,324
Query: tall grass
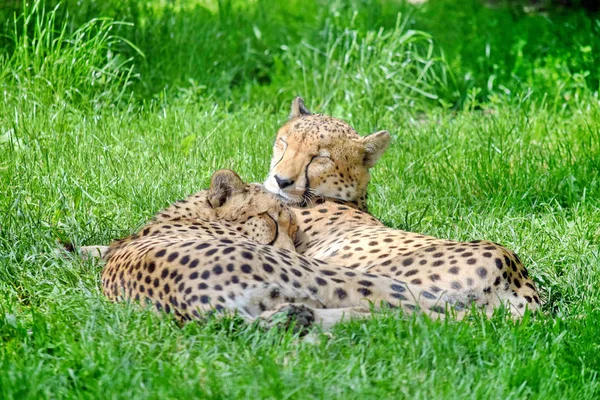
51,65
248,52
378,71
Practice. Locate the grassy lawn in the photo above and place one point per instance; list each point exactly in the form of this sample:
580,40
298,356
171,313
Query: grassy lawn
111,110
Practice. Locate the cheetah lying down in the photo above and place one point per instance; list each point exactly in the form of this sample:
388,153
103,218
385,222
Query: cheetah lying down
320,166
228,249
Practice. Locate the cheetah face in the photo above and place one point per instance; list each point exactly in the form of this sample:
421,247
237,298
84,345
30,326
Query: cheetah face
319,156
251,210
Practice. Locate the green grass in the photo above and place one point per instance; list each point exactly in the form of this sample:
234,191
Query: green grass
111,110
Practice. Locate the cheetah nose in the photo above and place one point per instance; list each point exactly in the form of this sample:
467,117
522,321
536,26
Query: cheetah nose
283,183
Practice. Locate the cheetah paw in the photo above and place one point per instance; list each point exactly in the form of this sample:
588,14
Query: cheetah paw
298,316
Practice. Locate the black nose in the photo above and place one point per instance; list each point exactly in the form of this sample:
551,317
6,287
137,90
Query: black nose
283,183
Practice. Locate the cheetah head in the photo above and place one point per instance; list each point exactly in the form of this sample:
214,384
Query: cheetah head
251,210
319,156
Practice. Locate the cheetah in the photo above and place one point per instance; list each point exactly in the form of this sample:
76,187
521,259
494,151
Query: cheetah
320,166
228,249
262,215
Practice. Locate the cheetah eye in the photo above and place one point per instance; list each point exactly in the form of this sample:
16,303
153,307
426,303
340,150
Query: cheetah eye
268,216
323,157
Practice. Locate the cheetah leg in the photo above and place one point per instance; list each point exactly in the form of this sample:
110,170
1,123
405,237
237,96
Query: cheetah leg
306,317
84,252
327,318
92,252
270,296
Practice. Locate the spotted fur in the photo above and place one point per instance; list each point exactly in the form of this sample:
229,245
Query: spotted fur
329,201
316,155
205,253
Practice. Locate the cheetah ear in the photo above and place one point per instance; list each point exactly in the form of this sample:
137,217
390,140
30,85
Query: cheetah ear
375,145
223,184
298,108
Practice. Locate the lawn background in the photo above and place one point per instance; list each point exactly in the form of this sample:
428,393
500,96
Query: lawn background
111,110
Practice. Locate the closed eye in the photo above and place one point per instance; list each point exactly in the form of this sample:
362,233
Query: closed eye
281,146
322,157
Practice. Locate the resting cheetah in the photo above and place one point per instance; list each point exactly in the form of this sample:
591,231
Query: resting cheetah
227,249
262,215
321,166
